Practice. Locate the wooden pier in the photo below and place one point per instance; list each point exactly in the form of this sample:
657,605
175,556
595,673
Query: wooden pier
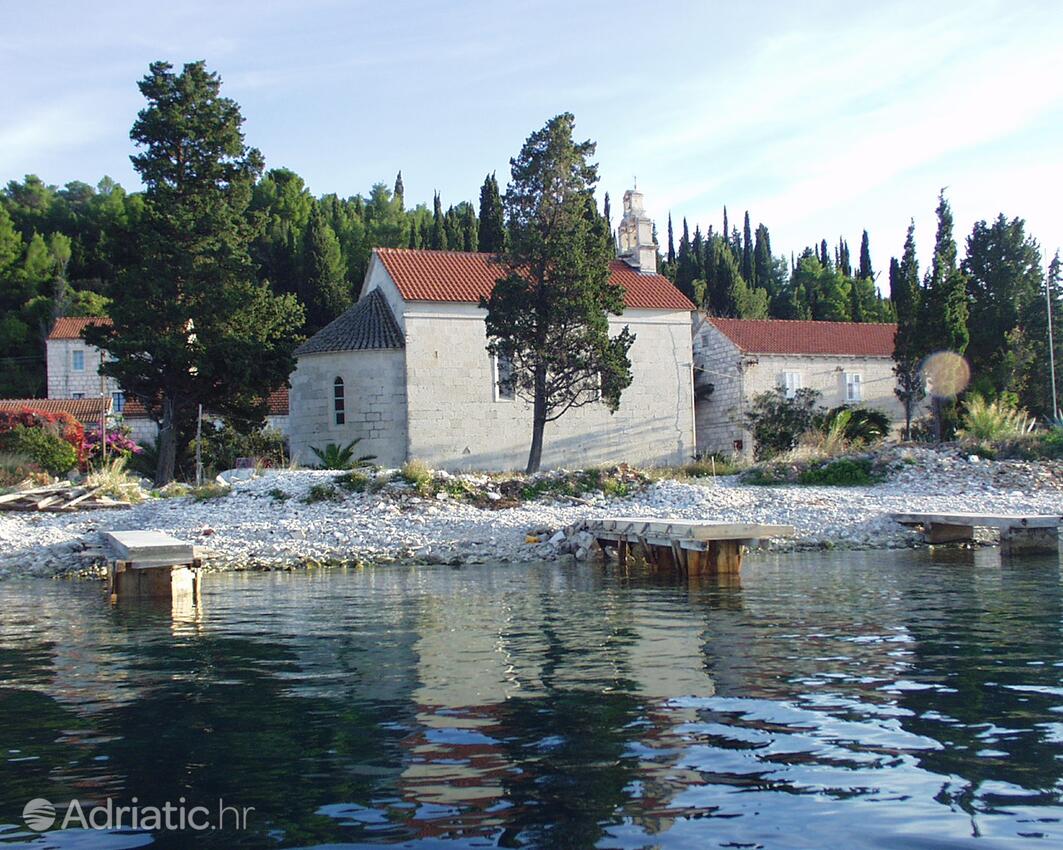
691,546
151,565
1020,534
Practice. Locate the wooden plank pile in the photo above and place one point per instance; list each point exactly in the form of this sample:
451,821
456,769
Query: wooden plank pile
58,498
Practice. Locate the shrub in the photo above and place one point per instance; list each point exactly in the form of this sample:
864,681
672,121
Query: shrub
118,443
61,425
863,424
225,445
777,421
323,493
114,481
417,474
213,490
993,420
278,495
353,481
845,472
50,452
16,468
335,456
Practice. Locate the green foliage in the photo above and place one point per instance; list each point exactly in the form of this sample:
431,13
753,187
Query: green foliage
992,420
225,445
212,490
16,468
777,421
865,425
335,456
47,449
278,495
212,332
492,225
844,472
906,296
548,314
323,289
354,481
417,474
323,493
115,481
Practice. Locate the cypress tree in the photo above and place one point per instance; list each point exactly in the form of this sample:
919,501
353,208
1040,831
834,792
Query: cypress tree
866,272
671,242
399,194
763,265
748,269
439,233
607,214
492,227
907,347
452,226
468,227
323,289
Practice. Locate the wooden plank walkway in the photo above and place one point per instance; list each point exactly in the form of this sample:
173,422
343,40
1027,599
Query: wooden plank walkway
692,546
1020,534
150,564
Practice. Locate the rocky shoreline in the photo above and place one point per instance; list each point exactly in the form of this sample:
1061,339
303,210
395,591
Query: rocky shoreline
267,521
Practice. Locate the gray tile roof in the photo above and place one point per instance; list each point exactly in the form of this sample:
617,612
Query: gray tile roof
369,324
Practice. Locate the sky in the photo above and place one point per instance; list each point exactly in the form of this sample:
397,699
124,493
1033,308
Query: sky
820,118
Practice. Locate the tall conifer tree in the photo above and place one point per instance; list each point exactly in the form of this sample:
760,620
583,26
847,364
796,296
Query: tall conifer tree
492,228
908,352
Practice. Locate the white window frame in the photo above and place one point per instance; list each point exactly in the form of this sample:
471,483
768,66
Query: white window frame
74,356
117,401
790,383
854,380
495,376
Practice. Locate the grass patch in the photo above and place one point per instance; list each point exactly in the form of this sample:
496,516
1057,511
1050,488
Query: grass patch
278,495
214,490
846,472
353,481
116,482
417,474
323,493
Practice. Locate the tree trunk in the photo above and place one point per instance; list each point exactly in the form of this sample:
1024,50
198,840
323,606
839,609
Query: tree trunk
535,456
167,445
935,406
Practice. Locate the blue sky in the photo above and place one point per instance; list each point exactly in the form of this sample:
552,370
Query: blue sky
821,118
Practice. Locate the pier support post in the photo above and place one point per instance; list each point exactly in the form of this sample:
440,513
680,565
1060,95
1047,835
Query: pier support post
1019,540
939,532
180,581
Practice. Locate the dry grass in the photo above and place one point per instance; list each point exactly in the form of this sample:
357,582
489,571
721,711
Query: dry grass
115,481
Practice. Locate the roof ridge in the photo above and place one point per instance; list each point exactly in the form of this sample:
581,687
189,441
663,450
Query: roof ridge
800,321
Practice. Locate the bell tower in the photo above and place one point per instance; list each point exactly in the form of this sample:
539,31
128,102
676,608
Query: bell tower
635,235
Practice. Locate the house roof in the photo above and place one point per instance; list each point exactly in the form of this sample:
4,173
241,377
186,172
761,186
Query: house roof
70,327
422,275
276,405
369,324
86,410
783,336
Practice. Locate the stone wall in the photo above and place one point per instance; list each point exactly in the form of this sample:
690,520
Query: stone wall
63,381
738,378
456,421
375,398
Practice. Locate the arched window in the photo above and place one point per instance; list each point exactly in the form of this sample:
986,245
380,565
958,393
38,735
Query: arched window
338,407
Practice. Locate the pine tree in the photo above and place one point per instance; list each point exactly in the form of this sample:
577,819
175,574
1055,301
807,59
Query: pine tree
439,232
492,227
549,315
908,351
192,324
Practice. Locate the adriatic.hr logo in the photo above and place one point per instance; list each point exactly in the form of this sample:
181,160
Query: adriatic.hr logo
41,815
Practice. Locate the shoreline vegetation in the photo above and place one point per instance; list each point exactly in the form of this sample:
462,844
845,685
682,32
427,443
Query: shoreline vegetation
292,518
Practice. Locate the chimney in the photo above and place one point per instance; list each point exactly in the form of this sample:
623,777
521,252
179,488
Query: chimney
635,235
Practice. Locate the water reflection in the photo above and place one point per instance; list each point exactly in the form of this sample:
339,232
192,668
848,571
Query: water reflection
861,700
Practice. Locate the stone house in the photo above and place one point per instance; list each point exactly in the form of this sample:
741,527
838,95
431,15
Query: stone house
406,371
737,359
73,368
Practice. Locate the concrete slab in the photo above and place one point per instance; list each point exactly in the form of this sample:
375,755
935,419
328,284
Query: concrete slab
148,548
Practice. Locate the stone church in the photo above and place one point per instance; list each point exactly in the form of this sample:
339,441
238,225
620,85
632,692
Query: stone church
406,370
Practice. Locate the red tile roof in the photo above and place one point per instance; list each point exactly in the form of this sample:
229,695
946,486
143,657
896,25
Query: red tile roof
276,405
461,276
83,409
779,336
70,327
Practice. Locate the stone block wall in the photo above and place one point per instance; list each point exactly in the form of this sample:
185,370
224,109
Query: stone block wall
375,399
719,414
63,381
457,422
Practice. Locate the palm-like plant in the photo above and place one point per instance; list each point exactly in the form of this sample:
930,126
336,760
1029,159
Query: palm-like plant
335,456
993,420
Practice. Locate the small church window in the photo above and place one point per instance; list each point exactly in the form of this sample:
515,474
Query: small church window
338,402
505,390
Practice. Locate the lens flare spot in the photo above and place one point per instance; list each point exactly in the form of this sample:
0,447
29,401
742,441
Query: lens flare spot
946,374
